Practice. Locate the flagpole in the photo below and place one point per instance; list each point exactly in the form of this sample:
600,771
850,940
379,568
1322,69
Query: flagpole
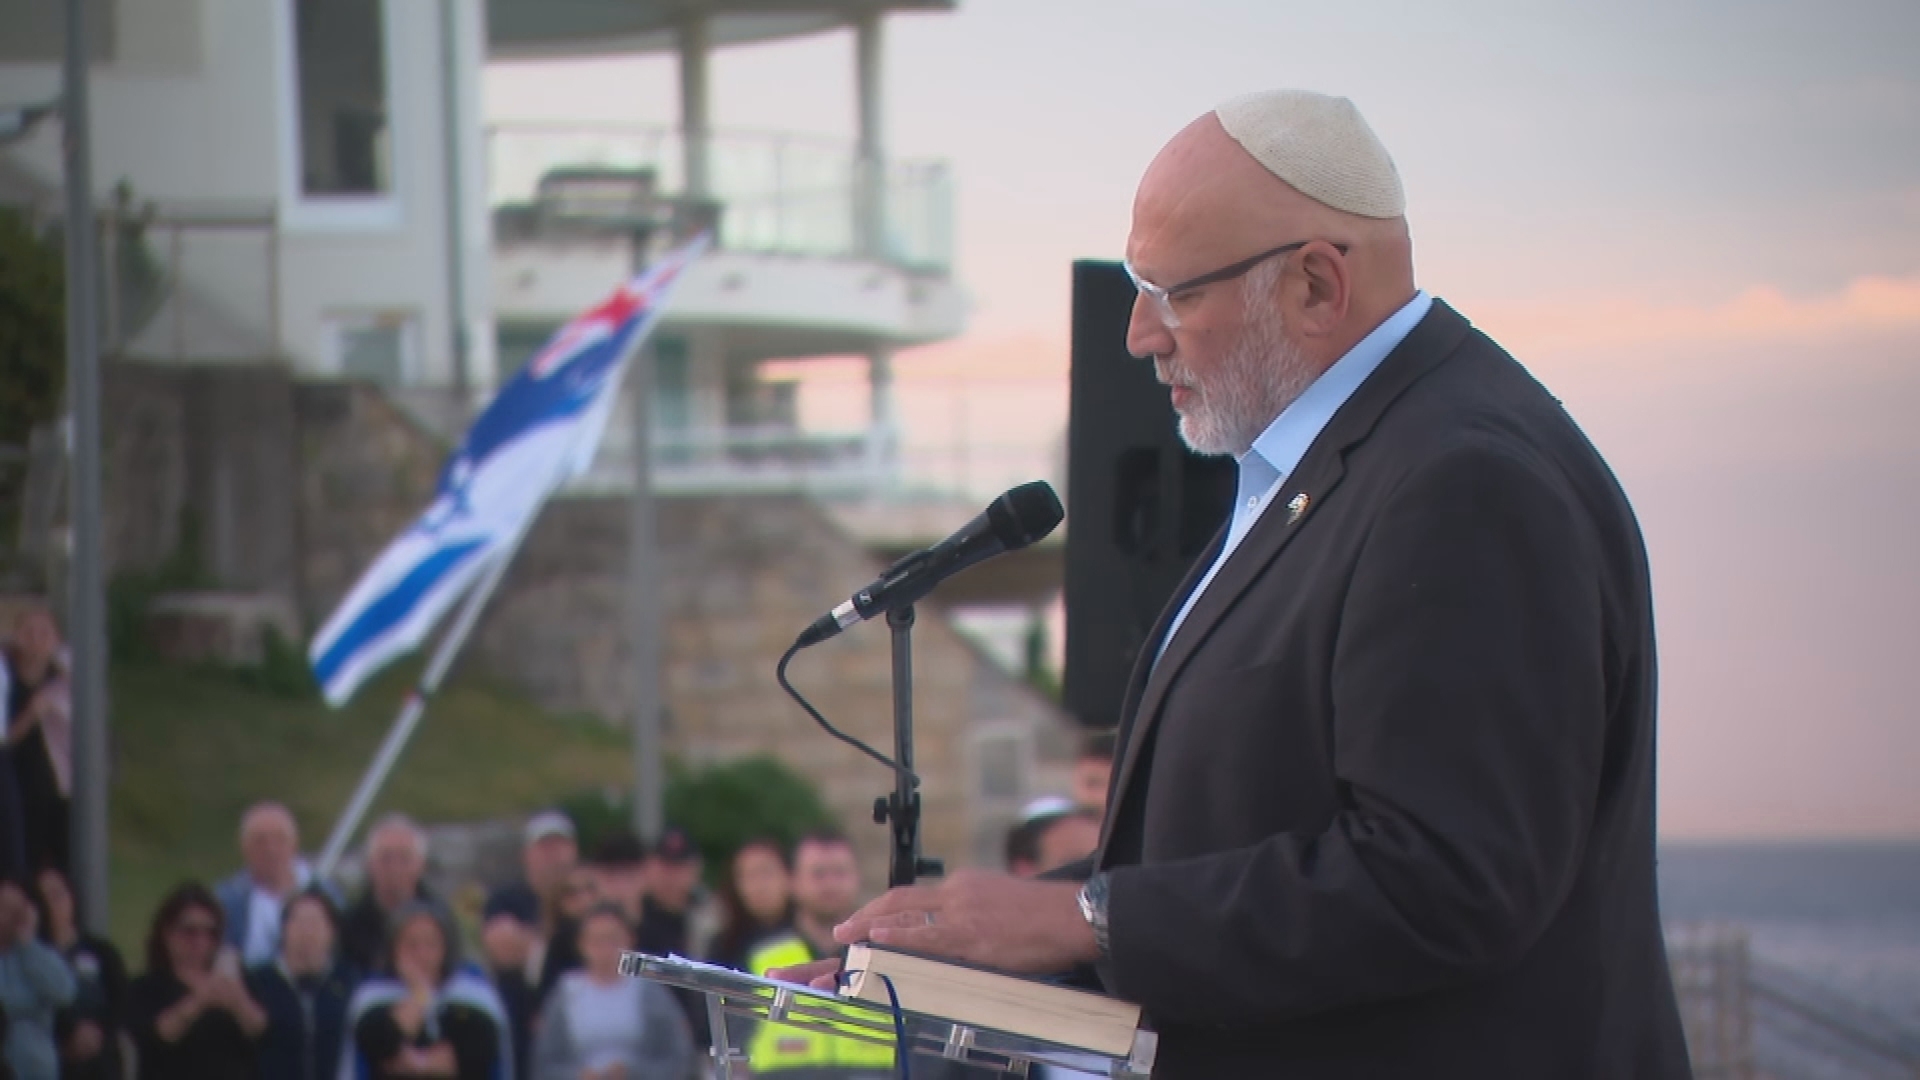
416,706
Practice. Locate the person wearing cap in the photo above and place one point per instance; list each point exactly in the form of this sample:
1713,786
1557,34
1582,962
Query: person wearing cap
520,915
548,850
1384,799
1051,832
668,914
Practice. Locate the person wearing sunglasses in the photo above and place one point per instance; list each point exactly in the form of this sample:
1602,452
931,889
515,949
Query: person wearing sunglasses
1384,799
189,1012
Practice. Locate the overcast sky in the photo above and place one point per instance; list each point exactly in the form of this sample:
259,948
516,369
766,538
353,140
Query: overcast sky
1698,223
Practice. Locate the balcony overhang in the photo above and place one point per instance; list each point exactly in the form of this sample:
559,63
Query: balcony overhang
556,29
770,305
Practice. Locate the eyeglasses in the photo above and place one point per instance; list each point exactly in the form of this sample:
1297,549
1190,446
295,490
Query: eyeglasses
1163,297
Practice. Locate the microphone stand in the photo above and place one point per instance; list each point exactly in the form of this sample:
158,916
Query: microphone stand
902,808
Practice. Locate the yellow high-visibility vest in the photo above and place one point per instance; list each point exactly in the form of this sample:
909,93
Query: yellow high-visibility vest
774,1047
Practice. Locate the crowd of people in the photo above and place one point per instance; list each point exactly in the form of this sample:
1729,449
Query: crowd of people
274,973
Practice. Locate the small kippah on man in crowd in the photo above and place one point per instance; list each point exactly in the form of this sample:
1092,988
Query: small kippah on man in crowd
1383,796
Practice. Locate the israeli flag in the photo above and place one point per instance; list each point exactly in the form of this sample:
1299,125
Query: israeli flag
541,430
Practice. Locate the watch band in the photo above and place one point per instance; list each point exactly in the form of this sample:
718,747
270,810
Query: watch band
1093,908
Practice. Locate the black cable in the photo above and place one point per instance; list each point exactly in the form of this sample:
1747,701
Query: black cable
780,673
901,1052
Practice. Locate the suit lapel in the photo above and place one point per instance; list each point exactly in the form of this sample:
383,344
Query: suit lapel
1306,489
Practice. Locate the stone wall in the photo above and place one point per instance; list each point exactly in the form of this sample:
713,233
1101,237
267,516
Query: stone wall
282,488
740,576
367,470
143,494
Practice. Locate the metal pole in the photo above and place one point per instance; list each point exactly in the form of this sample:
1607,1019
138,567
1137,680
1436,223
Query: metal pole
694,119
870,189
902,808
86,621
649,798
416,705
456,209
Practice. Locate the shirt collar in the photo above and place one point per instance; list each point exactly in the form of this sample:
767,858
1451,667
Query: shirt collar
1286,440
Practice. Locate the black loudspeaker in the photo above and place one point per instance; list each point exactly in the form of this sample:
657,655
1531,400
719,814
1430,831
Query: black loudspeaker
1140,505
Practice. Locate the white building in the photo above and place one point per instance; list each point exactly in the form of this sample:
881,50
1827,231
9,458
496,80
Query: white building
310,183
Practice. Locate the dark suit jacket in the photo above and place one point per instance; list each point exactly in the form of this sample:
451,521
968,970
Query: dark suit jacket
1385,806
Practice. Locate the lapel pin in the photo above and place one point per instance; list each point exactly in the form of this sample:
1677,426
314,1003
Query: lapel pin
1297,506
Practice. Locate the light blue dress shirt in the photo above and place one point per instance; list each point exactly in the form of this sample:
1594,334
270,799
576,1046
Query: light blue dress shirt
1278,450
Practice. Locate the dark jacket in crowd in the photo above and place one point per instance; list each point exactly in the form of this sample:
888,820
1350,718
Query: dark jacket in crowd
668,933
521,1001
474,1036
214,1048
364,927
306,1019
100,978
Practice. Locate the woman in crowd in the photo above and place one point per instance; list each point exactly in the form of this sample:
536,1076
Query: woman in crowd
425,1015
34,985
189,1012
304,992
601,1025
89,1030
38,736
759,901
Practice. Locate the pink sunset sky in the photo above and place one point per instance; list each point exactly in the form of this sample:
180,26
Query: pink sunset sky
1699,224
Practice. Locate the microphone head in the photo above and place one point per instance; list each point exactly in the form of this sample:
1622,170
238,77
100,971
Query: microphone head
1025,514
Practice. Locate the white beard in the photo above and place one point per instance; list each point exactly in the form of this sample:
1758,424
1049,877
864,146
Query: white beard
1263,373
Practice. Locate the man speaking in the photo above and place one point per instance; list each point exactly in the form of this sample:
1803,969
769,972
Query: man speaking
1384,799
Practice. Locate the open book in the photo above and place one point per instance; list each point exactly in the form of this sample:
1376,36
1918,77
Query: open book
979,997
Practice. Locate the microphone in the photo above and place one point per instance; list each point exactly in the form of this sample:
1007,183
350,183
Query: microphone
1017,518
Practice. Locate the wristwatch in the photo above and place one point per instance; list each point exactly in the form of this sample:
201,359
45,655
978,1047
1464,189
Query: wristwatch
1093,908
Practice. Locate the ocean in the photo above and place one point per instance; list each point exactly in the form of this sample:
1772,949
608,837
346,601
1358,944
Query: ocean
1844,915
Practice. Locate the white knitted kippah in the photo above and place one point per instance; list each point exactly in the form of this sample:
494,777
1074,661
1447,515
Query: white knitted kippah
1321,146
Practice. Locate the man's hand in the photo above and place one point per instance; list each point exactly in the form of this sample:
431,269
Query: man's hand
409,1015
436,1060
1013,924
222,991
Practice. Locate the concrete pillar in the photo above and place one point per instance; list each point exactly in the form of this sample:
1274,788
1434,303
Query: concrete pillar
695,127
883,427
870,189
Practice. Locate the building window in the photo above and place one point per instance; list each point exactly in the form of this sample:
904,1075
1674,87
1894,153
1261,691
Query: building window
381,347
340,68
339,114
672,389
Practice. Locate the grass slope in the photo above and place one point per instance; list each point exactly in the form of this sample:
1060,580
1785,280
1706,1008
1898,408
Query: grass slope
193,749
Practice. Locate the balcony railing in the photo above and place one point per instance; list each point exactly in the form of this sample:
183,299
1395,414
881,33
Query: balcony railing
775,193
743,461
181,280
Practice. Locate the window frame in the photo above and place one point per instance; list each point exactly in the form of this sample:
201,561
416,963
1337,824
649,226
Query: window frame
299,211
